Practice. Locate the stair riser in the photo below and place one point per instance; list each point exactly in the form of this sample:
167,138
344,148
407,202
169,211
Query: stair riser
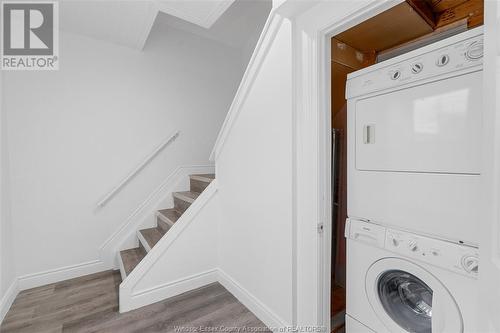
198,185
142,248
143,244
181,205
162,224
128,260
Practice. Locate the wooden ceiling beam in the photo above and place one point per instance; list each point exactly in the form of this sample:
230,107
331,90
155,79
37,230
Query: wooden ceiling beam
397,25
473,10
439,6
424,10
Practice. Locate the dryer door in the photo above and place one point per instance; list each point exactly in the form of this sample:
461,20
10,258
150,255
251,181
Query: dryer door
431,128
406,296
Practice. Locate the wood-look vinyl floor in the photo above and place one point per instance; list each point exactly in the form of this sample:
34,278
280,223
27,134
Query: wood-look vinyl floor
90,304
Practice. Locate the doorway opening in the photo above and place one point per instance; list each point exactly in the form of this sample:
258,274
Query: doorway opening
407,26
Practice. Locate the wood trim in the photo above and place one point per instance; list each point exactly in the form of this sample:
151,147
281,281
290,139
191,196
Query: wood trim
409,21
473,10
439,6
422,41
398,25
348,56
424,10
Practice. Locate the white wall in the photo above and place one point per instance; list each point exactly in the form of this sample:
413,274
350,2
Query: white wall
269,169
254,173
75,133
7,274
3,250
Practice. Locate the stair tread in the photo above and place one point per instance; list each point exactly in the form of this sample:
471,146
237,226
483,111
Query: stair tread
171,214
203,177
188,196
152,235
131,258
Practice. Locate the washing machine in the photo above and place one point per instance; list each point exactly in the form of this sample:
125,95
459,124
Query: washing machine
414,139
399,282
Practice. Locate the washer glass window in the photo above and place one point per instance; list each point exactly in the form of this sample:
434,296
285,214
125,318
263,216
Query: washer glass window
407,300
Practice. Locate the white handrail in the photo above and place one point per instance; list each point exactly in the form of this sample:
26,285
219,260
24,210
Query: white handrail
141,166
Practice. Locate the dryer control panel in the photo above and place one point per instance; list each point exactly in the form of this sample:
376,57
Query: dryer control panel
462,259
455,257
453,54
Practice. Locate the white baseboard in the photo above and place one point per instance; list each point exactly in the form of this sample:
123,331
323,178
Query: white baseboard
61,274
261,311
8,299
167,290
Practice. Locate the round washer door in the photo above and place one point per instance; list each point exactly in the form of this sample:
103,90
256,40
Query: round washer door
408,298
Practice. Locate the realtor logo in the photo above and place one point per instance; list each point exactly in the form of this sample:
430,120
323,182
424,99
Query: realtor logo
30,35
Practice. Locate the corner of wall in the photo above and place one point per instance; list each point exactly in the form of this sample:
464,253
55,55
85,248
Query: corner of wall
8,298
8,282
259,309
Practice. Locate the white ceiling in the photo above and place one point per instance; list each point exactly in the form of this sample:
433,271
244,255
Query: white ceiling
122,22
235,27
129,22
201,12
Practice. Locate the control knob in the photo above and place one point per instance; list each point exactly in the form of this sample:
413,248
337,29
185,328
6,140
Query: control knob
475,51
443,60
470,263
413,246
417,67
395,75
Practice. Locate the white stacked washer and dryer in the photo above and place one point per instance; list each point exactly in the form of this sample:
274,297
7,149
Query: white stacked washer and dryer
414,165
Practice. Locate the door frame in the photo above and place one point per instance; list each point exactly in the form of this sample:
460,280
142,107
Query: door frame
311,139
489,249
312,154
